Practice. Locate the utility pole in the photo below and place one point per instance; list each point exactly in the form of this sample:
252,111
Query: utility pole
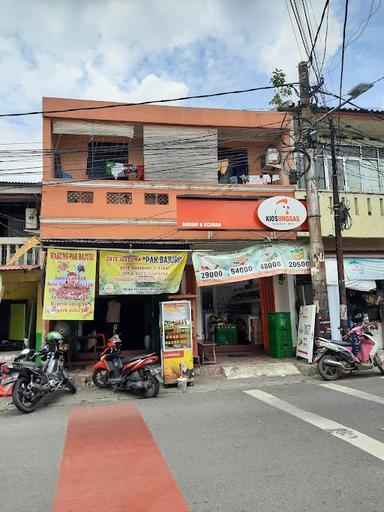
338,235
316,248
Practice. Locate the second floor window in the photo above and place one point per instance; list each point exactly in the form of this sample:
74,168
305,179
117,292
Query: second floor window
103,155
360,168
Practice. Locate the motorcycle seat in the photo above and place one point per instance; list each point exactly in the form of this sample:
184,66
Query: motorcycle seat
135,358
25,364
342,343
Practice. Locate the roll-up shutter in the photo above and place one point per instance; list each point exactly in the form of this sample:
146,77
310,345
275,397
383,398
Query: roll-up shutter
92,128
177,153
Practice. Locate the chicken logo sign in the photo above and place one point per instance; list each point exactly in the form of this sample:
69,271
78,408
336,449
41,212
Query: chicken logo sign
282,213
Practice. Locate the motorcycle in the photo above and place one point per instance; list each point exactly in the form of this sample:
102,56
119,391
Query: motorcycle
8,376
35,380
126,373
356,351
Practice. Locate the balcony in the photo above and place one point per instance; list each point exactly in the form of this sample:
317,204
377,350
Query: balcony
8,247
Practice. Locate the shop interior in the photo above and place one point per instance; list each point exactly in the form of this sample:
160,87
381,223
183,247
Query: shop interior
135,318
232,314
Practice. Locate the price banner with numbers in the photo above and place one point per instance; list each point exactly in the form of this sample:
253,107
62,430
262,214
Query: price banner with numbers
262,260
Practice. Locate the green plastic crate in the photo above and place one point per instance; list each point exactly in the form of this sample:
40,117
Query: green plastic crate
279,321
226,336
285,352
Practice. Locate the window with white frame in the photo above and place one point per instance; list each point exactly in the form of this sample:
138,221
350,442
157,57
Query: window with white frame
360,168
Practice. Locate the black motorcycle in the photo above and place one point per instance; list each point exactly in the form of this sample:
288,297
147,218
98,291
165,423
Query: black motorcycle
35,380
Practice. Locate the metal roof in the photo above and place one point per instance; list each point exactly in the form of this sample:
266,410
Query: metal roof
19,267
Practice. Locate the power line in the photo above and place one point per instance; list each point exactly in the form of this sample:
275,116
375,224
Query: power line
343,47
326,6
148,102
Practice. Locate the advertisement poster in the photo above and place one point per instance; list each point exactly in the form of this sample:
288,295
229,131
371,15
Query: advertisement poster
69,285
176,340
140,272
258,261
306,332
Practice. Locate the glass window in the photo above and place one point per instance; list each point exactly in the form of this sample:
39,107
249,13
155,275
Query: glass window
353,178
370,181
368,152
349,151
340,173
320,173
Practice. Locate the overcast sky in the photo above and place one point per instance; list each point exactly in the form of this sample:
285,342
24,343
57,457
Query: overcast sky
133,50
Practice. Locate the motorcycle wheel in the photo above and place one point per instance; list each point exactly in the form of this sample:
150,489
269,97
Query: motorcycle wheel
70,385
153,390
19,396
378,363
328,372
100,378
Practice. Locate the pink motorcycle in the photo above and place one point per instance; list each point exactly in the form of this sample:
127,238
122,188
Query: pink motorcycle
357,351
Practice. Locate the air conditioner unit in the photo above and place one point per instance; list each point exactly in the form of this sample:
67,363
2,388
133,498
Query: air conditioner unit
271,158
30,218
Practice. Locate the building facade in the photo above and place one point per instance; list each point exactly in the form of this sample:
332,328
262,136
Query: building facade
360,164
152,178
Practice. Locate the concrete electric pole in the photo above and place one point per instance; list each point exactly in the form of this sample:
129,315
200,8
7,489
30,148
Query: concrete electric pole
317,262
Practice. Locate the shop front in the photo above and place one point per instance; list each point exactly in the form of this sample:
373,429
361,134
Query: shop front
243,293
92,294
364,281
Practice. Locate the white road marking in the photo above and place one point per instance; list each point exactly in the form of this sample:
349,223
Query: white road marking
353,437
354,392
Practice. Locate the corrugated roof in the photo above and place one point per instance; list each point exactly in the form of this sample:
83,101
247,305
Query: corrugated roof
20,179
19,267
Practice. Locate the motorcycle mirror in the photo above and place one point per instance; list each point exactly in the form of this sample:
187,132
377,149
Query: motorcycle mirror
26,342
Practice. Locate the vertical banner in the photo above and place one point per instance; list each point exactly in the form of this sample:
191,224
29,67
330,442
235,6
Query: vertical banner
306,332
176,340
69,285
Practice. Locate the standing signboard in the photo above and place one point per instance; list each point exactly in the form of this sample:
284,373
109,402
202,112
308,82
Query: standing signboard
306,332
176,339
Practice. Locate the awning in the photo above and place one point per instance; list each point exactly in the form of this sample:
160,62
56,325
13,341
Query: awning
360,273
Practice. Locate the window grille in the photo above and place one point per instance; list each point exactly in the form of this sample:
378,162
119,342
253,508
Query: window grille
119,198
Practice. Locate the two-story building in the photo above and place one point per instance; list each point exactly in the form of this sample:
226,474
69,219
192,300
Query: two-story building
135,179
360,162
20,276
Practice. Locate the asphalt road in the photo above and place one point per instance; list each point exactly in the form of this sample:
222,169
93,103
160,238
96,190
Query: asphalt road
231,446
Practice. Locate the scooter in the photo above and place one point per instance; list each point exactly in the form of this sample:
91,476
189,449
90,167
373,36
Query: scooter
126,373
9,375
357,351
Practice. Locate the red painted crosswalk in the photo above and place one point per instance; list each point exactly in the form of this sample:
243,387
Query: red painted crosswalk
111,463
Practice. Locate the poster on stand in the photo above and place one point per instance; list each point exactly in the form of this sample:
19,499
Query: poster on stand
69,285
140,272
306,332
261,260
176,340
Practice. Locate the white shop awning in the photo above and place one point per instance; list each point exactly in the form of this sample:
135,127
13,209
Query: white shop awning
360,273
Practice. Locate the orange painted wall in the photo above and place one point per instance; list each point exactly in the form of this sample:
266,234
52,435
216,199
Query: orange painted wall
86,220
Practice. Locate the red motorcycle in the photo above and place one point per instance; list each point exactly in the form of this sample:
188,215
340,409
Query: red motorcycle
126,373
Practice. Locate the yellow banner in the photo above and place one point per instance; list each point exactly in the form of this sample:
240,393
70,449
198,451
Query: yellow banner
140,272
70,285
32,242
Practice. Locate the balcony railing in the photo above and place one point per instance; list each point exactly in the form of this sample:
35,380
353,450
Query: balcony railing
8,247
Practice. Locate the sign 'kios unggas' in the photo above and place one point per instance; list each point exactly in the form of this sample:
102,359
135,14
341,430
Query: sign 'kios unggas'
281,213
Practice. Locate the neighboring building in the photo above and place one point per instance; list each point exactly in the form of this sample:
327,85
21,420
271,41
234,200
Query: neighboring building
20,277
360,160
122,178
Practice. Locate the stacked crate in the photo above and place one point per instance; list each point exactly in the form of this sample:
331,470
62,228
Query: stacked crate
280,335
